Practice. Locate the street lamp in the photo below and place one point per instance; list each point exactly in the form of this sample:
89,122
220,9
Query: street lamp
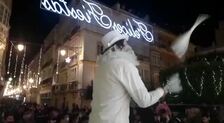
20,47
62,52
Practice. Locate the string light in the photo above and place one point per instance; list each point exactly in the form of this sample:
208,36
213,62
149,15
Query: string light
217,84
189,83
23,61
206,61
10,57
218,89
39,63
16,66
25,75
57,62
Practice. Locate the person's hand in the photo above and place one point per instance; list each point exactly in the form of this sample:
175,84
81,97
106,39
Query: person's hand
173,84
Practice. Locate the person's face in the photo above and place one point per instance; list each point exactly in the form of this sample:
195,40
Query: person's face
205,120
10,119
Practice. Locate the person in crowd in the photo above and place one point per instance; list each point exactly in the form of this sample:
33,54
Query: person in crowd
9,117
28,116
163,113
117,81
205,119
54,116
65,118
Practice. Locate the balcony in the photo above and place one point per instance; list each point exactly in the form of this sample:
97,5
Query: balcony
47,81
67,87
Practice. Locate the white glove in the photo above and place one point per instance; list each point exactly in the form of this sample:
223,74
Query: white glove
173,84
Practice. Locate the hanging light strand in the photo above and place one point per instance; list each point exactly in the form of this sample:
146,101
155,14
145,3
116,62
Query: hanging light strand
10,57
25,75
189,83
22,66
57,63
218,89
23,61
15,66
39,62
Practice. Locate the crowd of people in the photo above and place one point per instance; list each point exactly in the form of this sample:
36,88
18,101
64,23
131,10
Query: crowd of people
15,112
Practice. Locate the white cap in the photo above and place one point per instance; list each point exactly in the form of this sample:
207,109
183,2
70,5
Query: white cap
112,37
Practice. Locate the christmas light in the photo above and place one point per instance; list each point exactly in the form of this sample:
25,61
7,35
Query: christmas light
62,52
10,79
189,83
57,63
68,60
20,47
218,89
16,66
91,11
31,81
206,61
39,63
10,57
22,66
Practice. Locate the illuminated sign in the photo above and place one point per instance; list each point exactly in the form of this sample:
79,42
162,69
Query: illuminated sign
91,11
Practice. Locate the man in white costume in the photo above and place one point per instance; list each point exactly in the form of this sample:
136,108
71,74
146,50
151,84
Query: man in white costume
117,81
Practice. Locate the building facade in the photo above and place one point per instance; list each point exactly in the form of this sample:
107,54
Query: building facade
67,80
5,12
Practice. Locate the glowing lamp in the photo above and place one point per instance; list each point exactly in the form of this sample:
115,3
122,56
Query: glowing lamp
62,52
20,47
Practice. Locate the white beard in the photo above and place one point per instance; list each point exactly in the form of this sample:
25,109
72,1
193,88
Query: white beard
126,53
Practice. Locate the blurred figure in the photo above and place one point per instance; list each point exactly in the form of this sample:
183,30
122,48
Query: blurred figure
28,117
54,116
163,113
193,115
205,119
65,118
9,118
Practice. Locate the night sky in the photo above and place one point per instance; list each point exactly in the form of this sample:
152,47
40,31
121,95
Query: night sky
30,23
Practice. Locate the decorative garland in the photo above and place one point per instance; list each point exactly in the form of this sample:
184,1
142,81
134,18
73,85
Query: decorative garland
10,57
202,79
16,66
192,88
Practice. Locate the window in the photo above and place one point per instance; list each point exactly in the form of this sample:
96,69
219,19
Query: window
72,74
63,87
155,58
145,74
99,48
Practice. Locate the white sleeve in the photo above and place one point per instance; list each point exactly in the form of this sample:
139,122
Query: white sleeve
132,82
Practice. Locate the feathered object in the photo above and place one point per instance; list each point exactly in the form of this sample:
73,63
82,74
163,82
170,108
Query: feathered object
173,84
180,46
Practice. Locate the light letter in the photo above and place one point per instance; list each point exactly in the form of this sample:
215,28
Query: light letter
46,5
145,33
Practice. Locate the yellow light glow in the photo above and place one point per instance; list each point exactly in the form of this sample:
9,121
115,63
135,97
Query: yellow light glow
62,52
31,80
20,47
